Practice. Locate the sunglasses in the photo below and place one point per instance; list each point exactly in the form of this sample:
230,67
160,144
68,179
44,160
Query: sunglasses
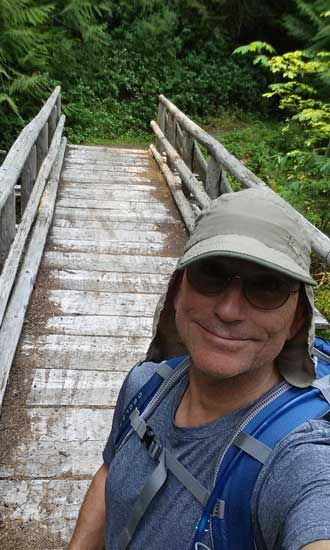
263,290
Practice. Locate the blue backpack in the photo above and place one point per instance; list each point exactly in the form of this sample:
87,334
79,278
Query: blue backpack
226,506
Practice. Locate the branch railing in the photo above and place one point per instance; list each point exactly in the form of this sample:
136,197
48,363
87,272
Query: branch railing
195,181
33,165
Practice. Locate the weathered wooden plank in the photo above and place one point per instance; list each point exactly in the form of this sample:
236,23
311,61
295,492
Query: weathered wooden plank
103,163
94,225
106,186
109,150
61,387
28,177
105,195
113,179
16,251
16,158
106,262
53,504
97,214
81,352
111,169
155,283
111,205
77,302
15,312
61,442
88,233
112,247
93,325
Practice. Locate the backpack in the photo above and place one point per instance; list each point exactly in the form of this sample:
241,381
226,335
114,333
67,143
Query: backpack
270,420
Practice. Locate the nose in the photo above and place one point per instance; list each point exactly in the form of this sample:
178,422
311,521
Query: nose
230,303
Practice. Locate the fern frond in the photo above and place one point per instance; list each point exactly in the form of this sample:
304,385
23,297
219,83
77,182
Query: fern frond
5,98
36,84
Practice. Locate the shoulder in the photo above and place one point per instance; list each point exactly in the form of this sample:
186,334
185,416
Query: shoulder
291,496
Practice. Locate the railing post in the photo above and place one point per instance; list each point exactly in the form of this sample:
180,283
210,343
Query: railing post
161,116
161,123
188,149
7,226
28,177
52,123
225,186
42,146
171,129
213,178
199,162
59,106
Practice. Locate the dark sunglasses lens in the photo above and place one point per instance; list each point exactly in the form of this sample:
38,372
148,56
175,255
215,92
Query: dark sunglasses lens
206,278
266,291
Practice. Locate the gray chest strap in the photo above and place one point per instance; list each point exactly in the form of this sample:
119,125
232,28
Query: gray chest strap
252,446
166,462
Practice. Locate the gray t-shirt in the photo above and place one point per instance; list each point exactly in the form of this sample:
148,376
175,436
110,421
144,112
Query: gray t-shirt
291,500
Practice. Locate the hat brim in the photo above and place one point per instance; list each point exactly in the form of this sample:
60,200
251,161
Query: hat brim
248,249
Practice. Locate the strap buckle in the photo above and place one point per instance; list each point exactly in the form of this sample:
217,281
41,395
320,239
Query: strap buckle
153,446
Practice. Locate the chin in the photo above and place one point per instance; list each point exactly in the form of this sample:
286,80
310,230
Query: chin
219,368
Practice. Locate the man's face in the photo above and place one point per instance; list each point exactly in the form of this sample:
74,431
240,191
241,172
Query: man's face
224,334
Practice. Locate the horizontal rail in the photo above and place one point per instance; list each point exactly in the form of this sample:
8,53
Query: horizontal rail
189,179
175,188
8,275
14,162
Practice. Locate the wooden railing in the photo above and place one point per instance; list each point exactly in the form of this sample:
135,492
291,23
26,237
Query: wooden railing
195,181
32,165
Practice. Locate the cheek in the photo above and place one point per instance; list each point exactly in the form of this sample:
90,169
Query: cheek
278,326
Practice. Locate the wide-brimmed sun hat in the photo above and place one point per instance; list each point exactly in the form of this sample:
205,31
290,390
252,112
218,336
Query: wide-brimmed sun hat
257,226
253,225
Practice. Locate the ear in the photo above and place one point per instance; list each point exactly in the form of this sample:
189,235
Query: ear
300,316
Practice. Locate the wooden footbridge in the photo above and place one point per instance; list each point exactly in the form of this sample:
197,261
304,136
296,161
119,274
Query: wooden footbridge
88,238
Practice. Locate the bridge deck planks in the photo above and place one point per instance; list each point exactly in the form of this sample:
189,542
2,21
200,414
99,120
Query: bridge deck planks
115,239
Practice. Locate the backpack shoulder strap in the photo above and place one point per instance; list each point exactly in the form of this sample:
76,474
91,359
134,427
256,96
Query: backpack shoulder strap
143,395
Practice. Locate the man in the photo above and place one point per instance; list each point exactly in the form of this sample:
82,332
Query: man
240,304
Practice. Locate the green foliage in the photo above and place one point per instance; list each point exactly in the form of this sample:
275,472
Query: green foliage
310,24
301,91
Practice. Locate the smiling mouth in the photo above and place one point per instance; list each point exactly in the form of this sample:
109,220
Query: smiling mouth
222,337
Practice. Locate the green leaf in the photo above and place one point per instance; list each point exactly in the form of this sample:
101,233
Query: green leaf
5,98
